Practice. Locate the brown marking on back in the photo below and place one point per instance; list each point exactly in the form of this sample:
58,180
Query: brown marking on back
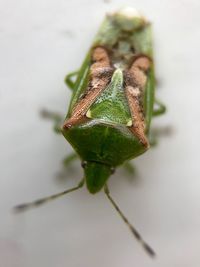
135,83
100,58
142,62
100,72
138,71
138,127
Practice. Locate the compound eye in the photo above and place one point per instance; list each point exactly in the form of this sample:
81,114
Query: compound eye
83,164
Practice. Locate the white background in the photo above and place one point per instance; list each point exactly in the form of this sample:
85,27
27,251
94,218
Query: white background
40,41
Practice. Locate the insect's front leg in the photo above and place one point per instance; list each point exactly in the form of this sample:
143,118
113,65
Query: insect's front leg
69,79
67,161
69,158
129,168
55,117
131,172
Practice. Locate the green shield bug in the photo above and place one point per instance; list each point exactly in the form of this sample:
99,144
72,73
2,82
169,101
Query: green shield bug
112,104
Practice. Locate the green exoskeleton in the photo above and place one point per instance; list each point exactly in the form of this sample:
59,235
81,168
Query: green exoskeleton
112,104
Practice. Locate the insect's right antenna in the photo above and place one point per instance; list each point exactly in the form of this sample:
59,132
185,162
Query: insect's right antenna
146,247
41,201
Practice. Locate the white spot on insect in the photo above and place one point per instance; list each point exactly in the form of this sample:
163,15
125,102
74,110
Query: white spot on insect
134,91
130,12
117,65
88,114
129,123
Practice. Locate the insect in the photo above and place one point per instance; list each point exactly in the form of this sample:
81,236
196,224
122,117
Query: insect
112,104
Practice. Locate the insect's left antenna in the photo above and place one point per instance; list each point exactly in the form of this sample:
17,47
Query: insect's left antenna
41,201
146,247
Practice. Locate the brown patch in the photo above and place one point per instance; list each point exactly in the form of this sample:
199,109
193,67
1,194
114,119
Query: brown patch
100,72
139,77
100,58
138,127
138,70
135,83
142,62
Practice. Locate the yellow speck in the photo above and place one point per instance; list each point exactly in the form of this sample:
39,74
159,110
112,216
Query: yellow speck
88,114
129,123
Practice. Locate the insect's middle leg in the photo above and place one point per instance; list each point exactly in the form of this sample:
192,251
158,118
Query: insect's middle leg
158,132
69,79
161,108
55,117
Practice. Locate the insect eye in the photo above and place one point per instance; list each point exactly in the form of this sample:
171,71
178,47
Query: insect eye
83,164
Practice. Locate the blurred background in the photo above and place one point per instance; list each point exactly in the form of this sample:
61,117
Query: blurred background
41,41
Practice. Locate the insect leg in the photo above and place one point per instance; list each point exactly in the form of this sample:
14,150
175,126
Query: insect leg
41,201
146,247
158,132
153,140
68,159
128,166
160,110
55,117
62,174
68,79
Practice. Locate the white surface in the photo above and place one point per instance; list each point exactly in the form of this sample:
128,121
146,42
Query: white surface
40,41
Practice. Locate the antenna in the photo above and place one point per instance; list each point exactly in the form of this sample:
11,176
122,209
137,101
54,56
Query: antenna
136,234
41,201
